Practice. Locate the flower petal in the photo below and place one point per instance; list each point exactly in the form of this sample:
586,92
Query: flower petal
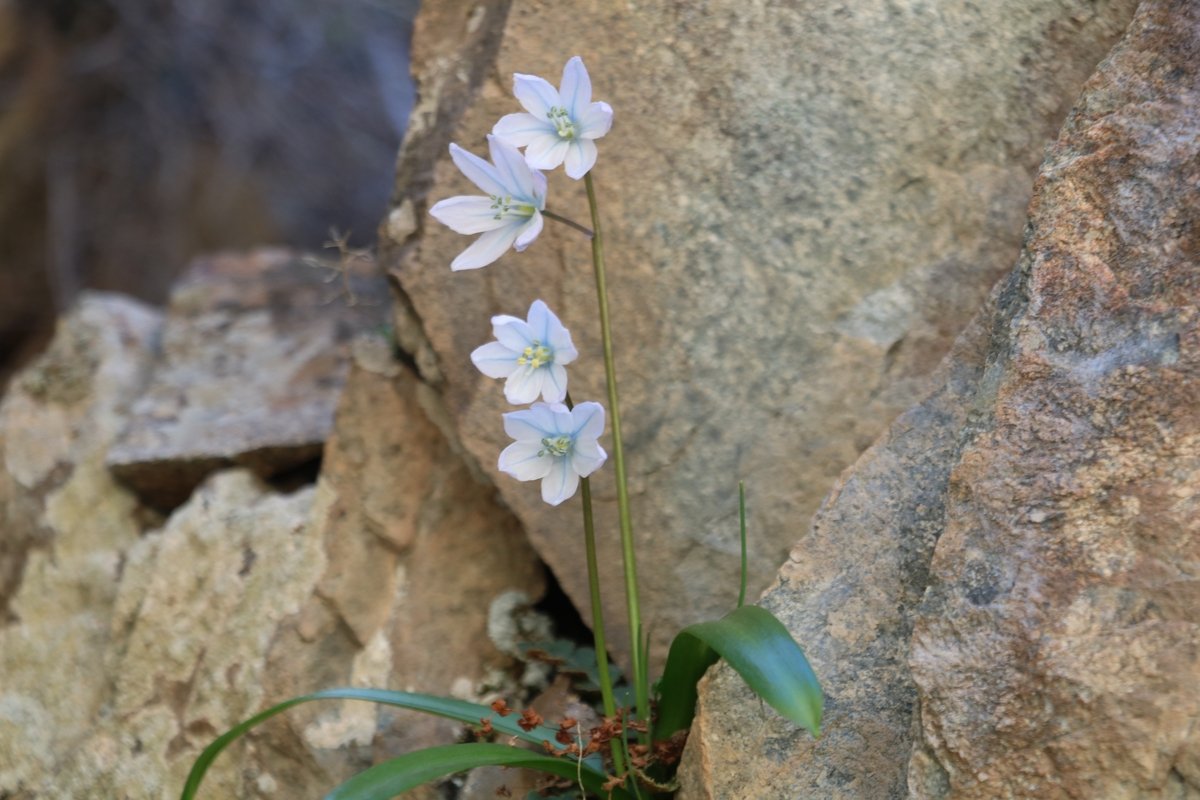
524,385
554,386
535,94
546,152
514,173
514,334
587,421
580,157
587,457
562,422
539,317
487,248
494,360
478,171
576,87
521,460
520,129
560,482
529,231
467,214
533,423
594,121
504,320
563,347
539,189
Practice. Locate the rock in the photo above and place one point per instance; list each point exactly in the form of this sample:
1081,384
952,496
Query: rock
418,550
198,605
66,527
254,353
114,172
997,596
848,593
125,653
1057,649
803,206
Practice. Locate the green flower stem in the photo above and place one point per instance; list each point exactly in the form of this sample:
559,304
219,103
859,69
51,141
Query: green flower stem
567,221
641,685
606,687
598,637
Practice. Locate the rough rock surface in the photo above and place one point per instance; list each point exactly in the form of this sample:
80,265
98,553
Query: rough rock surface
124,652
1057,650
1051,635
65,526
848,594
254,353
805,203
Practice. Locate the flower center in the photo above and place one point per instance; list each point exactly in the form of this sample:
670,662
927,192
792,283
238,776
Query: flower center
555,446
562,122
504,206
535,355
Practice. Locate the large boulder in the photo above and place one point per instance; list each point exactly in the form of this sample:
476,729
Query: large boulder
1056,652
804,204
1000,597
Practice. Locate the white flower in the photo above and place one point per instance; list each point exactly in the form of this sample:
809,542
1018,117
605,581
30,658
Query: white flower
561,124
511,214
554,445
530,354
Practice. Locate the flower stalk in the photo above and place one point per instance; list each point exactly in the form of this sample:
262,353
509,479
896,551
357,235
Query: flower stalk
606,686
569,222
641,684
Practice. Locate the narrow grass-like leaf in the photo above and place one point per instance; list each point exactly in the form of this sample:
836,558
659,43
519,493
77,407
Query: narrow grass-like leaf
742,529
759,649
460,710
385,781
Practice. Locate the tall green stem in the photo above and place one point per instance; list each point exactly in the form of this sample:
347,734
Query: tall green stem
640,683
606,686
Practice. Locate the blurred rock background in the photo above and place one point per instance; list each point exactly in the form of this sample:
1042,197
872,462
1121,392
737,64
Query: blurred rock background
135,134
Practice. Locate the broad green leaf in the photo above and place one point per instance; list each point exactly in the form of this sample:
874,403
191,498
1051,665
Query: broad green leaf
759,649
385,781
460,710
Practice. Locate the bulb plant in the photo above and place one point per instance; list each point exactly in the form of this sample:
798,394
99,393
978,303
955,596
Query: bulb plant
634,750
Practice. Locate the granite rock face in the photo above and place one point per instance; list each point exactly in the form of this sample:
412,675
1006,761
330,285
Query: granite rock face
129,641
804,205
1057,649
254,353
1001,595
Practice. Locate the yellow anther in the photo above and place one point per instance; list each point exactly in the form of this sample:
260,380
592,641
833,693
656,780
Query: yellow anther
535,355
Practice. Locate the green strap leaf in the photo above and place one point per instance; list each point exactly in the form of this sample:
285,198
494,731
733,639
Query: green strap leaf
384,781
760,649
460,710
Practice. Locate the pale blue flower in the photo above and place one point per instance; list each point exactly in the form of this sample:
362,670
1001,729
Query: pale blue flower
561,125
530,353
510,215
554,445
